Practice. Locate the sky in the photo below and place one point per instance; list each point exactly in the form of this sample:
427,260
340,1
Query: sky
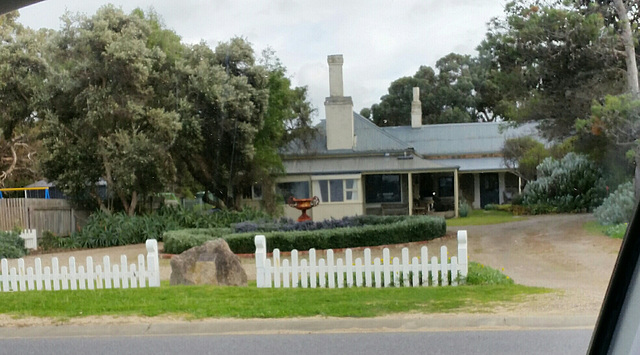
381,41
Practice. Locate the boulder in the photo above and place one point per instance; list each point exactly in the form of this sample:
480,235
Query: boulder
212,263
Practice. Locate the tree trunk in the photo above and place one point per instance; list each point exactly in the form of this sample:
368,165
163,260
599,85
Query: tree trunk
629,49
134,202
632,74
636,180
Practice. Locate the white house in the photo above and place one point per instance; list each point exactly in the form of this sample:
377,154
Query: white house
355,167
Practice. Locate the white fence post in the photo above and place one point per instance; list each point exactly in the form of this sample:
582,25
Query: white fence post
424,265
294,268
462,254
153,264
386,267
30,239
313,270
367,268
405,266
444,262
348,255
261,254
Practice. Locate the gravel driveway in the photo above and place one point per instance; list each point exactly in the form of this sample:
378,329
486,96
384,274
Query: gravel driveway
551,251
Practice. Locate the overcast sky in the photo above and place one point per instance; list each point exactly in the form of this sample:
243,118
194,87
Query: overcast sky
381,40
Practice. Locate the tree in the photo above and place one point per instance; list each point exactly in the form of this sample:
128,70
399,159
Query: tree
629,51
104,119
22,71
615,118
523,155
366,113
287,122
224,96
549,63
241,114
458,93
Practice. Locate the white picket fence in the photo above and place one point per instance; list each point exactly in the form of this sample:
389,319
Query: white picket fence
385,272
145,273
30,239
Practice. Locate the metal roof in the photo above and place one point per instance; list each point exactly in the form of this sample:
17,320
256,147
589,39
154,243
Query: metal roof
369,138
460,138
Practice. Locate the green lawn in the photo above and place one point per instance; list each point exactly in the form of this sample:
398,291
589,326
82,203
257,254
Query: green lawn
482,217
251,302
486,289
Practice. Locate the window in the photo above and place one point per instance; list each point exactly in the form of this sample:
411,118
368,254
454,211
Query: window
351,189
297,189
336,190
383,188
445,186
253,193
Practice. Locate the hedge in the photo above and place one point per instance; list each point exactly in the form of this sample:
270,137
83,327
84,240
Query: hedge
288,225
406,229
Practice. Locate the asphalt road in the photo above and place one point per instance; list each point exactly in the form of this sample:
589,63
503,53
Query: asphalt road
547,341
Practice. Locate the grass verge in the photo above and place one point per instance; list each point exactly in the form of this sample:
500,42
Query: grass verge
616,231
482,217
490,288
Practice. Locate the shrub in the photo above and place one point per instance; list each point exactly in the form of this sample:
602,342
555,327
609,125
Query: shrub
406,229
464,209
287,225
11,245
483,275
617,230
517,200
618,207
573,184
49,240
105,230
491,207
495,207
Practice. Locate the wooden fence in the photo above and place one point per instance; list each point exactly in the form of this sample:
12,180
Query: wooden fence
55,215
69,277
383,272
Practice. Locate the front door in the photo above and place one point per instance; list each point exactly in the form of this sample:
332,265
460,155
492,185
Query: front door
489,189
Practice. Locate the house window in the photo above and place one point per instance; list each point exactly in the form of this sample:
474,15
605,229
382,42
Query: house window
297,189
253,193
445,186
383,188
336,190
351,189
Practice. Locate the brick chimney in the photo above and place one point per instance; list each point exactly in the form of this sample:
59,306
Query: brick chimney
338,108
416,109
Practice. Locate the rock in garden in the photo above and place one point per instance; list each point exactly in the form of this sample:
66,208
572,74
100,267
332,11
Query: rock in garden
212,263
